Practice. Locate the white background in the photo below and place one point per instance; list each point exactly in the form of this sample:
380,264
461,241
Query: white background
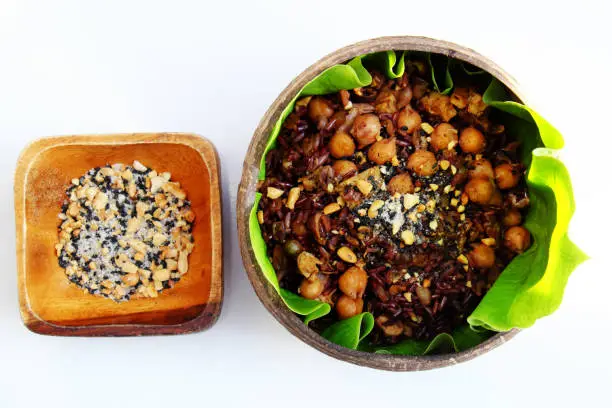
214,68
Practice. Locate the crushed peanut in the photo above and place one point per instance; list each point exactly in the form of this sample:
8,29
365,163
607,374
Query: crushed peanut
408,237
293,196
410,200
347,255
462,259
427,128
274,192
373,210
331,208
488,241
308,264
364,187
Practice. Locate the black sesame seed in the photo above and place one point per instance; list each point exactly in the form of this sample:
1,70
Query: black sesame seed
63,262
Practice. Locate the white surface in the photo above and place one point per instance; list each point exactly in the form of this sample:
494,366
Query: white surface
214,68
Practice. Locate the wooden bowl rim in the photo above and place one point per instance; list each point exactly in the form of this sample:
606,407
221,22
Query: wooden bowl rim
246,195
207,152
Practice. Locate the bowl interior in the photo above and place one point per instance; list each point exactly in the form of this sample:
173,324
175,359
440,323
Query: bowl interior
51,298
248,186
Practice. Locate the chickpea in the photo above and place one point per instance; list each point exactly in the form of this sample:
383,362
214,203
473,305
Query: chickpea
342,168
311,289
404,96
408,120
341,145
293,247
459,98
347,307
471,140
390,329
382,151
497,199
394,329
442,135
440,105
482,256
482,168
319,110
366,128
419,89
424,295
517,239
480,190
506,176
336,120
423,163
513,217
400,183
353,282
386,102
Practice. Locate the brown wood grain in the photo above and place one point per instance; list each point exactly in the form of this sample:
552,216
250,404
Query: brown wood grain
247,188
49,304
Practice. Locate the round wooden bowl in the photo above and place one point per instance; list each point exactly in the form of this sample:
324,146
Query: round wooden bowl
246,195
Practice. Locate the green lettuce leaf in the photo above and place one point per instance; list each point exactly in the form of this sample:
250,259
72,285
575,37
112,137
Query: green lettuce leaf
350,332
530,287
461,339
440,66
471,70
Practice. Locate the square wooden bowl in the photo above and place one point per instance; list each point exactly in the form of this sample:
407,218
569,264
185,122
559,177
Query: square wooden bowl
49,304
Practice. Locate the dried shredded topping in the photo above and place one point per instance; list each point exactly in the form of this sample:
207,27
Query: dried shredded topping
125,231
